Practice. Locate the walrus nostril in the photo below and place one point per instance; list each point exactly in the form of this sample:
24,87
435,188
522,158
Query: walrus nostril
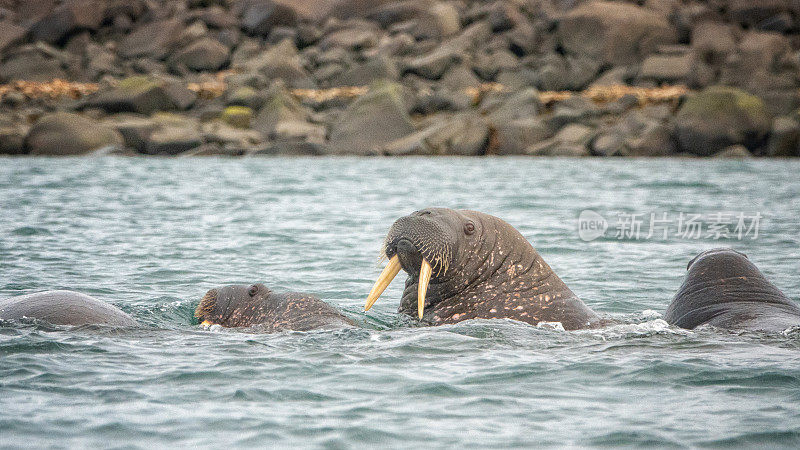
405,246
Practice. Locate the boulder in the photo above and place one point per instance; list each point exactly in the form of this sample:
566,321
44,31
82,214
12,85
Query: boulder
434,63
10,34
613,32
281,61
356,38
719,117
68,17
654,140
668,68
734,152
279,106
374,69
12,141
237,116
30,66
713,41
784,140
143,95
203,54
63,134
754,13
260,16
153,40
571,140
514,136
373,120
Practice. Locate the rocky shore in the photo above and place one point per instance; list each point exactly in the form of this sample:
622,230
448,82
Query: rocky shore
358,77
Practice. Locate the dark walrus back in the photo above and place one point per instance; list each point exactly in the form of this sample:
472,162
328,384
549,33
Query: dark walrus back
64,308
724,289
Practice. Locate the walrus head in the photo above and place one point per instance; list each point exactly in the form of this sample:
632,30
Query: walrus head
466,264
724,288
233,306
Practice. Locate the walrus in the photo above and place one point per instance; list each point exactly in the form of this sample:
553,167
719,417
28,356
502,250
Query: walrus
256,305
64,308
469,265
724,289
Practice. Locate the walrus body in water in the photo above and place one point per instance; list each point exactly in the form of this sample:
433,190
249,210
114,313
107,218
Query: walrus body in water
64,308
469,265
256,305
724,289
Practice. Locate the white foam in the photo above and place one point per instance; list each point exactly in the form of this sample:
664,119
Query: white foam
551,326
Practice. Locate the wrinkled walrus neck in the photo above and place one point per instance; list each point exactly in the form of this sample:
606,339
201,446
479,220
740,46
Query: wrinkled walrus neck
510,280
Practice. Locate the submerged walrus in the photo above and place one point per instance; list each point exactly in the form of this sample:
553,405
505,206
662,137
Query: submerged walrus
255,304
469,265
64,308
724,289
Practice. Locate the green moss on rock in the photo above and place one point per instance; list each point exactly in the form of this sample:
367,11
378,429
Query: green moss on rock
237,116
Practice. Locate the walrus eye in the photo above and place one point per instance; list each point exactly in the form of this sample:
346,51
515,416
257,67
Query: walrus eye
252,291
469,228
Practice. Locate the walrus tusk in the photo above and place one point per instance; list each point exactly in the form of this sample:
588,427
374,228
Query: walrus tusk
424,279
389,272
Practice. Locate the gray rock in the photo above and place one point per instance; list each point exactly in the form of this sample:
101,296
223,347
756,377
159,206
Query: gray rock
350,39
12,141
460,77
713,41
135,130
572,140
142,95
66,18
446,17
203,54
279,106
153,40
668,68
734,152
30,66
654,140
373,120
784,139
245,96
719,117
172,140
753,13
260,16
282,62
516,105
10,34
609,144
374,69
513,137
299,131
434,63
613,32
63,134
465,134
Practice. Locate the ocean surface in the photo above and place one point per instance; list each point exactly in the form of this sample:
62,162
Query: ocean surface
153,235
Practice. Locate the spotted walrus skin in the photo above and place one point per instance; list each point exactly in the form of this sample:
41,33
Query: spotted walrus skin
469,265
64,308
724,289
251,305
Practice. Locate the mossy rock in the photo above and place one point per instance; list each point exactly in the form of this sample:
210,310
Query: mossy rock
372,121
237,116
719,117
